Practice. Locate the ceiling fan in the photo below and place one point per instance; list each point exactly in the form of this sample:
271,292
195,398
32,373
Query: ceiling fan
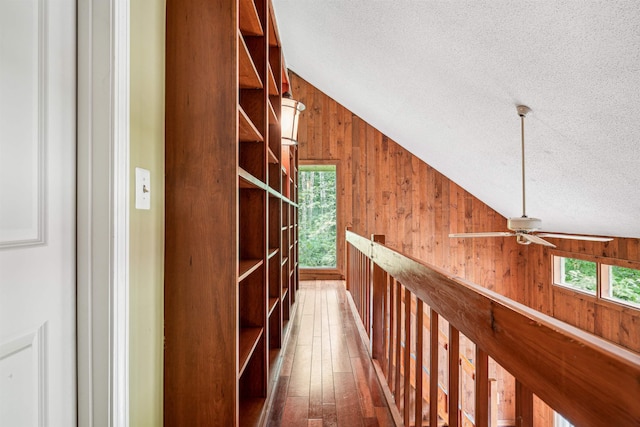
525,228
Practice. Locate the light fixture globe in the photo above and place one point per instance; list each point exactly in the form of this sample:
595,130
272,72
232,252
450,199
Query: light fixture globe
289,119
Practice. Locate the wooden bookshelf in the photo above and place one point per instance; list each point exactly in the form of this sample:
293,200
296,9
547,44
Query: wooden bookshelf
226,200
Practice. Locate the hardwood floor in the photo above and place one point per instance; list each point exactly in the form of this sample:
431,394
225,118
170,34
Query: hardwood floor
327,378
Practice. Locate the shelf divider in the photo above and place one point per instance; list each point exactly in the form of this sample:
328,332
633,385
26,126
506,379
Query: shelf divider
249,20
248,266
248,341
248,76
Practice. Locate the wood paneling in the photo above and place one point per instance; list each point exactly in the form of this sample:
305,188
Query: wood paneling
614,322
384,189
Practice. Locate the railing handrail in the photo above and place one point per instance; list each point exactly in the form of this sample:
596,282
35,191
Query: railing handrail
589,380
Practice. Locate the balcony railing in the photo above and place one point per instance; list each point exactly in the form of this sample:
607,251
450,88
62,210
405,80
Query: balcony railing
421,320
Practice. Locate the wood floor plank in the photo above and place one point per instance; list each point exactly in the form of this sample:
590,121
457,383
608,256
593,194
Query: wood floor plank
305,336
295,413
301,372
309,302
328,394
318,314
347,401
329,416
339,348
315,388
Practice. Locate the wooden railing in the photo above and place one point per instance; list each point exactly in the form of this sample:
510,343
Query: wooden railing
416,317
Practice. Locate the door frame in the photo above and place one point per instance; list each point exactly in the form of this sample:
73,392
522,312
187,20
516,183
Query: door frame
103,213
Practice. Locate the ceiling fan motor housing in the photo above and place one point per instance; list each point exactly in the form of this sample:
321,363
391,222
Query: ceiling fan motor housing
525,224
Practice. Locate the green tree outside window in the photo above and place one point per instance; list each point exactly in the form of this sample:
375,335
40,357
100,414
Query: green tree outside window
317,216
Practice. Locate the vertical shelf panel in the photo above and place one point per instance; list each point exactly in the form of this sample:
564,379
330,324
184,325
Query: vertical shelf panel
200,268
255,304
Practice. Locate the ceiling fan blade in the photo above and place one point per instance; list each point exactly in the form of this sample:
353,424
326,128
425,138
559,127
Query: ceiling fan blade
576,237
485,234
535,239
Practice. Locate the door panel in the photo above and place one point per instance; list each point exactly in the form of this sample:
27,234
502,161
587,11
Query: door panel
37,213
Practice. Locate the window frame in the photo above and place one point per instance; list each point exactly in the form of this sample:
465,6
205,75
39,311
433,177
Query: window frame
603,284
328,273
558,274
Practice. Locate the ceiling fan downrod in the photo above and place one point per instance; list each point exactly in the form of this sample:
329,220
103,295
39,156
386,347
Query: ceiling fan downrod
523,110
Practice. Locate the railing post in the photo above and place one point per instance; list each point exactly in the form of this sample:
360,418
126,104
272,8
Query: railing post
454,377
398,359
433,368
419,344
493,386
347,261
377,311
392,338
524,405
482,388
408,342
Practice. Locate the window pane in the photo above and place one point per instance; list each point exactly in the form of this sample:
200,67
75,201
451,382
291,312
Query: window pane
578,274
625,284
317,210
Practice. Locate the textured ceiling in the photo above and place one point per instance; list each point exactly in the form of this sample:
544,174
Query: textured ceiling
442,78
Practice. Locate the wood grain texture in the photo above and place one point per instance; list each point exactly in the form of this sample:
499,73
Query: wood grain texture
524,406
482,391
220,280
309,391
198,274
554,360
612,321
384,189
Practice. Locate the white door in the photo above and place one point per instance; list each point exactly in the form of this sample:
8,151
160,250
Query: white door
37,213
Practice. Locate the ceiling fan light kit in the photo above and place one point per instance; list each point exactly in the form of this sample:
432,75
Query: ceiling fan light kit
523,227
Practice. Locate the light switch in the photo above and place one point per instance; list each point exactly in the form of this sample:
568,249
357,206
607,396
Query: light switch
143,189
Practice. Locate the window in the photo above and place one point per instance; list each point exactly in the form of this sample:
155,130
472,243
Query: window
598,278
576,274
318,214
621,284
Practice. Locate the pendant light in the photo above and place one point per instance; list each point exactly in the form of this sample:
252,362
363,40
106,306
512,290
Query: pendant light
289,120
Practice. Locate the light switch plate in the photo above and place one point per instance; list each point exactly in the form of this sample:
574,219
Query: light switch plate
143,189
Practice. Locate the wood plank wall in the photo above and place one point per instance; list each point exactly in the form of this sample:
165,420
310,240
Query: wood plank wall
615,322
384,189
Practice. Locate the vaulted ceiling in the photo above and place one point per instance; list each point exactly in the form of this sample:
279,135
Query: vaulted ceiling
443,78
